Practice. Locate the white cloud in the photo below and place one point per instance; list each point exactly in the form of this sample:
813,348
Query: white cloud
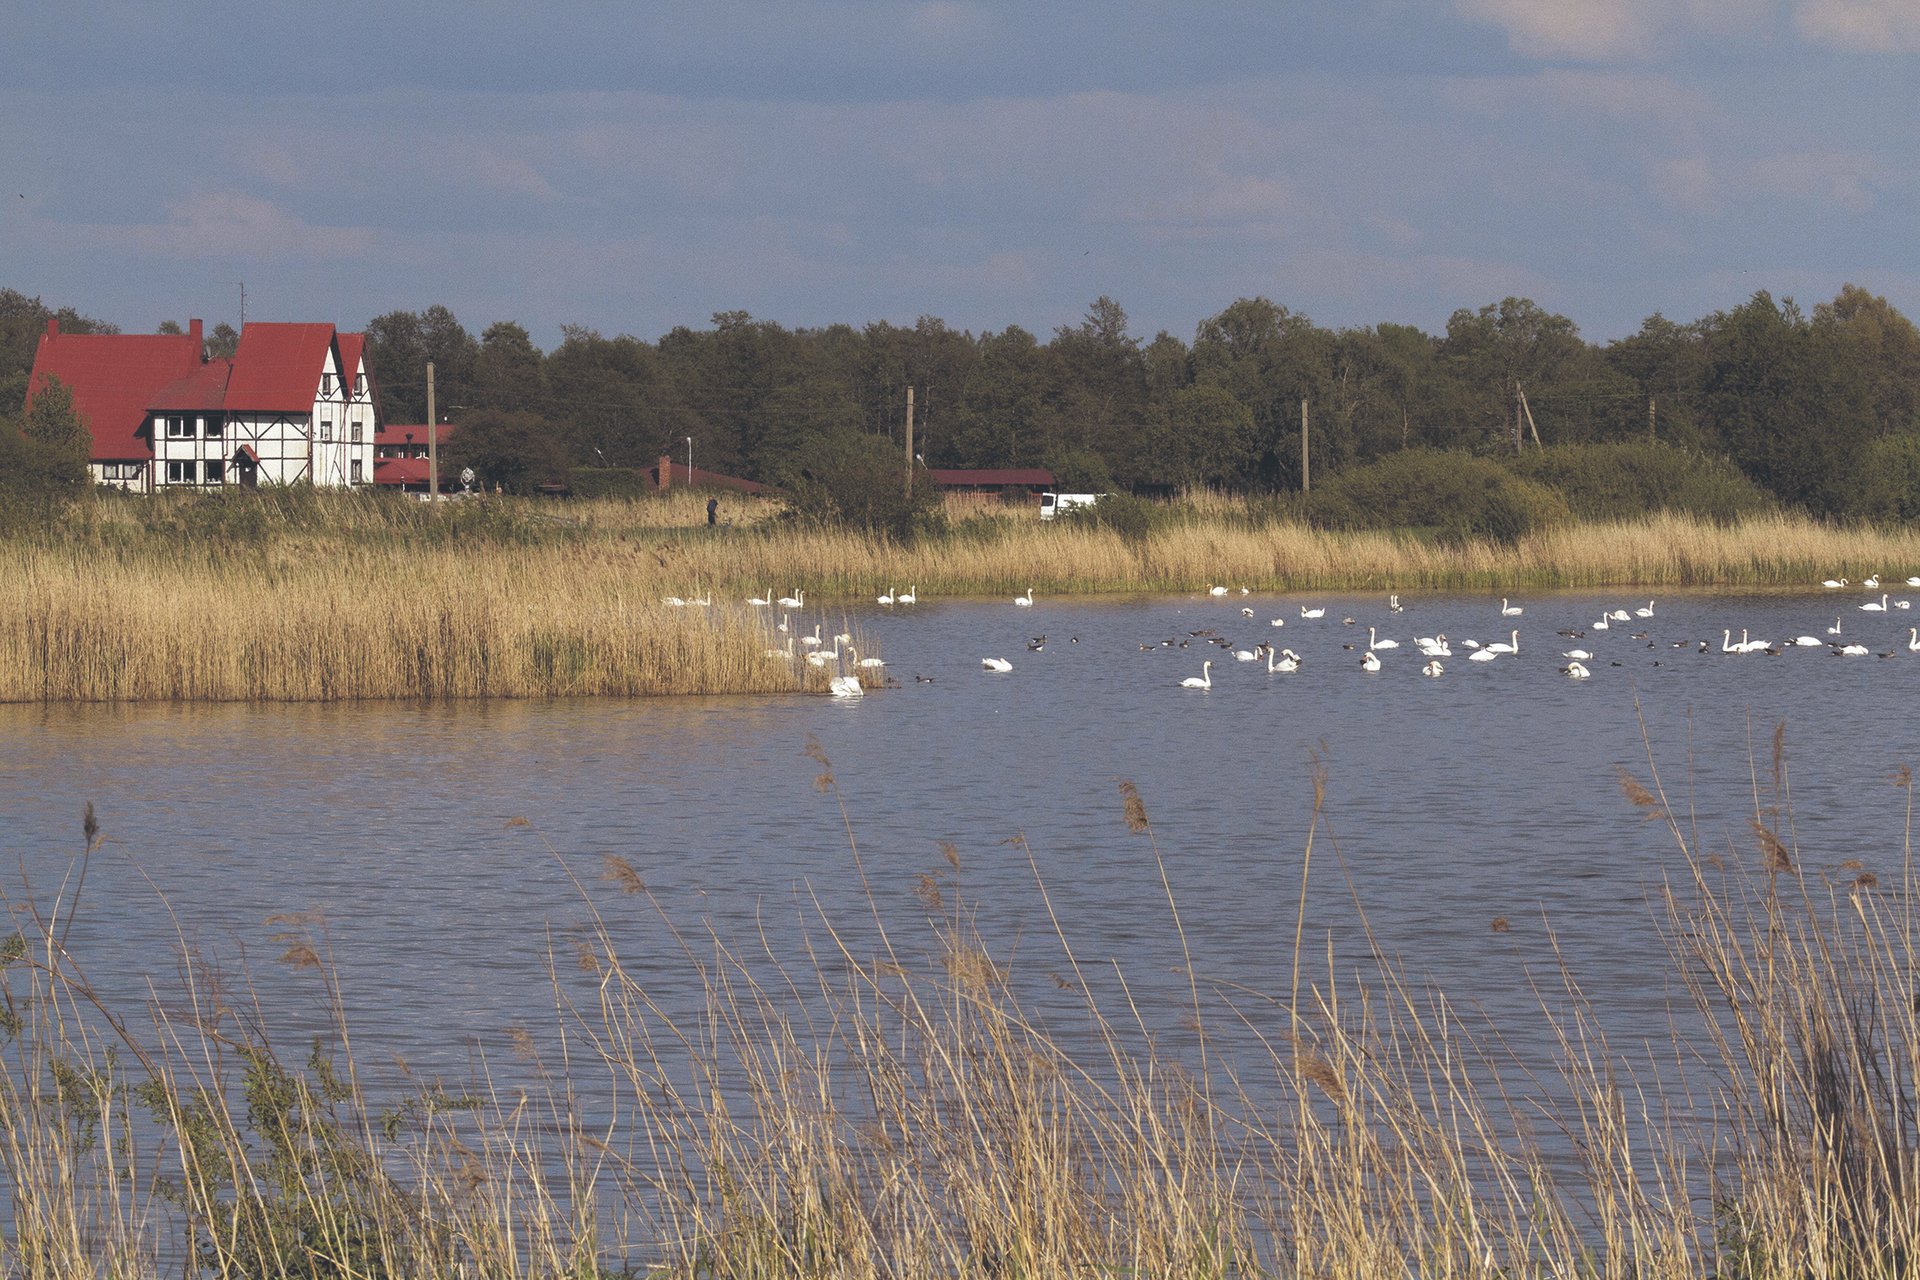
227,223
1860,26
1605,30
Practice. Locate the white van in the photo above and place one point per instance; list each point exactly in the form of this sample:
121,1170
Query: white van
1052,504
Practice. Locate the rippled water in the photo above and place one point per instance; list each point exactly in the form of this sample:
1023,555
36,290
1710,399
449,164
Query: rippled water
1490,791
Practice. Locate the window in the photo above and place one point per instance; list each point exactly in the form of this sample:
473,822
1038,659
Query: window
356,471
359,384
213,427
326,384
179,429
216,473
357,425
180,473
326,430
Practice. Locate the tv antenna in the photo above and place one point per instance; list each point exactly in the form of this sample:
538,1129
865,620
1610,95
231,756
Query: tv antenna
243,304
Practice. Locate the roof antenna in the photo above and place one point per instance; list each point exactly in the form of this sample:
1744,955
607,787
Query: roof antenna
243,304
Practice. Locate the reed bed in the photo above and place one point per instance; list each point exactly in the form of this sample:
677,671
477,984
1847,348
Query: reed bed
307,596
896,1108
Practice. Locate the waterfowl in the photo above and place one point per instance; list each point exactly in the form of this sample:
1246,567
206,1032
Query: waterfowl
1370,663
1834,630
1202,681
1575,670
1508,611
1913,639
907,596
1312,613
1482,655
1576,654
1432,668
1216,591
1807,642
1832,584
1278,622
758,603
845,687
1394,605
1620,615
1380,644
1646,612
675,601
783,623
1246,613
1601,624
888,598
1249,655
1511,646
813,639
1872,583
1025,600
798,600
1855,650
872,664
1913,582
1870,607
996,664
1289,661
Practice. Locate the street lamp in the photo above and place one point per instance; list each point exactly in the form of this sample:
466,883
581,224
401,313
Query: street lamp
689,462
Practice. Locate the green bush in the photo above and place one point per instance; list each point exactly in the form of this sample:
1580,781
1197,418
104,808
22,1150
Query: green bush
859,484
1634,478
1889,482
609,482
1426,488
1130,517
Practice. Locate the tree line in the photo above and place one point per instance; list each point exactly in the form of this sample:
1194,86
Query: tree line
1818,409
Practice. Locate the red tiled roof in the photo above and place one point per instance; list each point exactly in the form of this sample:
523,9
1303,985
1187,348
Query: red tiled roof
277,368
401,471
396,433
202,391
1032,478
113,376
678,474
351,345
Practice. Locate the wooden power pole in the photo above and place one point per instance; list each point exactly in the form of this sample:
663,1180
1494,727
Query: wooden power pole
1306,477
433,443
909,440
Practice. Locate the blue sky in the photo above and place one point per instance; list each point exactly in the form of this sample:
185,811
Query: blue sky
636,166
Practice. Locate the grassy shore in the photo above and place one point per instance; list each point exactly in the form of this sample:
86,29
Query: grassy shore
306,596
900,1112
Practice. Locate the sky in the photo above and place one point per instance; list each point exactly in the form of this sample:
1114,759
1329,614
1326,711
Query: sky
632,166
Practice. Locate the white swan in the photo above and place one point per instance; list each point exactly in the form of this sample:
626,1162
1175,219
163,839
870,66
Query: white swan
1646,612
1577,655
996,664
1507,611
1025,600
1394,605
783,623
1278,622
1247,655
1216,591
1876,608
1432,668
1872,583
907,596
1913,639
1834,584
843,638
1913,582
1726,646
1510,646
1482,655
703,601
1370,663
1834,630
846,687
1753,646
1807,642
1620,615
1601,625
888,598
812,640
758,603
1289,661
1380,644
1903,604
1312,613
1856,650
1246,613
1575,670
871,664
798,600
1202,681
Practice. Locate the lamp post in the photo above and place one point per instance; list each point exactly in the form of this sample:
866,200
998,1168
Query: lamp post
689,462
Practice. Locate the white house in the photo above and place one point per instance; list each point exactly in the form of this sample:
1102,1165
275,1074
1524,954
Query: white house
295,403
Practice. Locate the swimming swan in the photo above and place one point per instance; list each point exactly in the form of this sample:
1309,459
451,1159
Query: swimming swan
1482,655
798,600
1508,612
1646,612
1289,661
907,596
1432,668
1312,613
996,664
1876,608
1025,600
1512,646
1380,644
1575,670
888,598
1201,681
1370,663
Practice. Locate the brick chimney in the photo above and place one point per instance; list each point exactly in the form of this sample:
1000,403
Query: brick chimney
53,326
666,471
199,344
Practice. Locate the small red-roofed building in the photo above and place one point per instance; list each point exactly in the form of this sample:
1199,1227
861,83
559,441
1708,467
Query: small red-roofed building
294,403
400,454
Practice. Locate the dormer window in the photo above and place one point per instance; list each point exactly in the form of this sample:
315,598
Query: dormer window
326,384
359,384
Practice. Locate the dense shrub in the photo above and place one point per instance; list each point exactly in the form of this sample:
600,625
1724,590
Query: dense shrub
1130,517
860,485
1418,488
1889,480
609,482
1618,481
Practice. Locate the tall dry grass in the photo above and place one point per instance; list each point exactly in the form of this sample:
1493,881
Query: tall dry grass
896,1108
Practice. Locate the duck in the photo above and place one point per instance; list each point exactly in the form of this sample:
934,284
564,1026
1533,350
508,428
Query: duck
996,664
1509,611
1202,681
1370,663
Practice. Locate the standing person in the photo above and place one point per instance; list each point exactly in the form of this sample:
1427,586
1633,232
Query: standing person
713,511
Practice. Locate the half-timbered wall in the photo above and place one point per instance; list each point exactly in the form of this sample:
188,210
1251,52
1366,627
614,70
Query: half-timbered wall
331,445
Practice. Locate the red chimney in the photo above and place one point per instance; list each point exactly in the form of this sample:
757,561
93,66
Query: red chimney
53,326
666,472
199,345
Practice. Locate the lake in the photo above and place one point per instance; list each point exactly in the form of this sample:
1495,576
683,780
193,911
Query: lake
1489,792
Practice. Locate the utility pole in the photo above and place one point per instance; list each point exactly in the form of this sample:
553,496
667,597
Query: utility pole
1516,418
1306,478
433,443
1528,410
1650,434
909,441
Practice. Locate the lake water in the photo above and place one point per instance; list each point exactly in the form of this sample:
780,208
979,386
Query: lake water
1490,791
